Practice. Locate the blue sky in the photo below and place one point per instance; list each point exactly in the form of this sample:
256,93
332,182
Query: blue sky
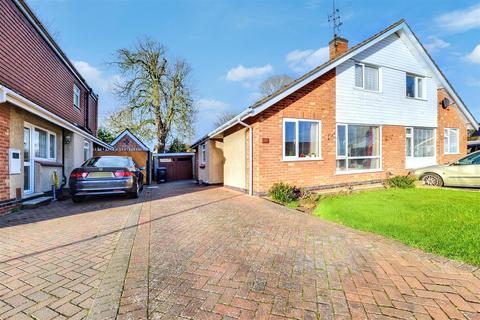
233,45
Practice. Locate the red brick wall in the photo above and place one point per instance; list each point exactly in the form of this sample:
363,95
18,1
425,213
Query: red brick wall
314,101
127,143
30,67
4,146
450,118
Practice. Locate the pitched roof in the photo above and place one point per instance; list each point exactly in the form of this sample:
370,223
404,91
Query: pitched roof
127,132
286,90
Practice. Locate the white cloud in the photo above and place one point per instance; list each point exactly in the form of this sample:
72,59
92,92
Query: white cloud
460,20
209,110
305,60
474,56
436,43
95,78
241,73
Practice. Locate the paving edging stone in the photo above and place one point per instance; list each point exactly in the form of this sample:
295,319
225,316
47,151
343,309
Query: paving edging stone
107,299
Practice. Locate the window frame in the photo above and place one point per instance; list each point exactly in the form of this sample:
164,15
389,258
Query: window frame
76,96
363,65
86,147
34,142
412,143
203,153
347,158
297,157
415,87
448,137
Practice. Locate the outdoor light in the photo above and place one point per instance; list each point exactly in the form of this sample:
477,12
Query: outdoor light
68,139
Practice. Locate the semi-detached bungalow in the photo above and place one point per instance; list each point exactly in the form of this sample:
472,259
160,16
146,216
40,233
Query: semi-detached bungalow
48,113
379,108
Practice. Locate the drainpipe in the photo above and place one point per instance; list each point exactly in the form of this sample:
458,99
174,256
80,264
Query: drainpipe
250,137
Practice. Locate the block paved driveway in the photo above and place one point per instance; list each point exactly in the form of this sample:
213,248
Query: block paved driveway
189,252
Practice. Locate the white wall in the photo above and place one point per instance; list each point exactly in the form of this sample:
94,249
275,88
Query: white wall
390,106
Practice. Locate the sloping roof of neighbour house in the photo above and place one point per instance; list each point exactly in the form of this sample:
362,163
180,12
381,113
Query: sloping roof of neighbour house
128,133
305,79
38,25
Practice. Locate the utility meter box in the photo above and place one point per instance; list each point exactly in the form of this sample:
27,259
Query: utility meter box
14,160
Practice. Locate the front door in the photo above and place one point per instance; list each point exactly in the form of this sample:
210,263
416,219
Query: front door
28,181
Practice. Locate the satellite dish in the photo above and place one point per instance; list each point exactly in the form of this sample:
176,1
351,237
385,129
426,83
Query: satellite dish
445,103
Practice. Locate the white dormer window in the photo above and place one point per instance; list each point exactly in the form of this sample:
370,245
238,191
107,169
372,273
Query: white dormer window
367,77
415,86
76,96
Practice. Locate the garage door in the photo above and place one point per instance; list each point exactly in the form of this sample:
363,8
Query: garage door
178,168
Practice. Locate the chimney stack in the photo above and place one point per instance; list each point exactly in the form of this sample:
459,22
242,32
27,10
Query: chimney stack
337,46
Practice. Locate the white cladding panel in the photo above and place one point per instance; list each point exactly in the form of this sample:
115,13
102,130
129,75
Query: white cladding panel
390,106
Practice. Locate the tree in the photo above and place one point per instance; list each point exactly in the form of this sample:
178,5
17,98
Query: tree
105,135
177,146
132,119
158,89
224,117
274,83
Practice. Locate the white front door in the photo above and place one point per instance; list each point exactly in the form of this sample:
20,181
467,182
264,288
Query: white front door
28,175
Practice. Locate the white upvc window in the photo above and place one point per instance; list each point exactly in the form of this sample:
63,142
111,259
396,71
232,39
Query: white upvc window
358,148
86,150
451,141
301,139
76,96
203,153
419,142
415,86
44,144
367,77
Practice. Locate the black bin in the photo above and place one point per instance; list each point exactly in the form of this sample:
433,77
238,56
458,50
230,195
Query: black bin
161,174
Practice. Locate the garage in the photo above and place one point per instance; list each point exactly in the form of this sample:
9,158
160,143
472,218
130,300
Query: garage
178,166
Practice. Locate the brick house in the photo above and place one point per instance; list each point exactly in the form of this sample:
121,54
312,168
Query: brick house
126,140
379,108
48,113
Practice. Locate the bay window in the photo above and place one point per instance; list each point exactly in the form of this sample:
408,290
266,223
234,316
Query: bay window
358,148
301,139
44,144
450,141
367,77
415,86
420,142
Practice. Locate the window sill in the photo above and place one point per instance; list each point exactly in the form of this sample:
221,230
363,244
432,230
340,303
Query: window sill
451,154
302,159
419,99
366,90
358,171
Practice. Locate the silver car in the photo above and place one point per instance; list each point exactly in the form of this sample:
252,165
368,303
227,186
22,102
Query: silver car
461,173
106,175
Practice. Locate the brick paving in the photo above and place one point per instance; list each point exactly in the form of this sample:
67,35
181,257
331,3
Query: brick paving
53,258
189,252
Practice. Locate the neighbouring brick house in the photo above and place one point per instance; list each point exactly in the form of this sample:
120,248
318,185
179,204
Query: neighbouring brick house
126,140
48,113
377,109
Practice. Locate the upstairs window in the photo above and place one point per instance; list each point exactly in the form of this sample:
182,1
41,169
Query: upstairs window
76,96
450,141
367,77
415,87
301,139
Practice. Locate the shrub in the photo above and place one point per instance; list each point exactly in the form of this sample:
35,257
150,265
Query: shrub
401,182
284,193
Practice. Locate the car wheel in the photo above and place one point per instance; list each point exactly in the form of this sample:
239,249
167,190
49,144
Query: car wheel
432,179
78,199
136,193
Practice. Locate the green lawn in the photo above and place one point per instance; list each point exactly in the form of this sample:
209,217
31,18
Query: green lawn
445,222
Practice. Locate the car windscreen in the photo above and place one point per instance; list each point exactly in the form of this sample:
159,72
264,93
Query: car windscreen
108,162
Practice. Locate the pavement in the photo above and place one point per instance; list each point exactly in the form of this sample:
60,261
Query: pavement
184,251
